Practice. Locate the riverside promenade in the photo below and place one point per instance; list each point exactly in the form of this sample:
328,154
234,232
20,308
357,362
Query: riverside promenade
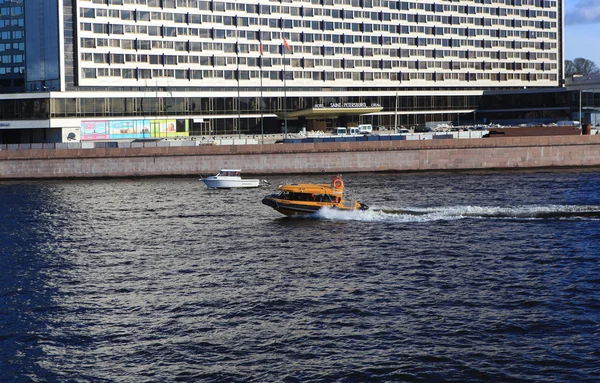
330,157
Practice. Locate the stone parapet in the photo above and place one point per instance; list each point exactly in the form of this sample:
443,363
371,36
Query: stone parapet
368,156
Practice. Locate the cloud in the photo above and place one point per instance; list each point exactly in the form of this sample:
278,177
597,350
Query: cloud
583,12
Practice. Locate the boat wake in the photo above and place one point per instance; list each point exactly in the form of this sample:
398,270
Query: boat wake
427,214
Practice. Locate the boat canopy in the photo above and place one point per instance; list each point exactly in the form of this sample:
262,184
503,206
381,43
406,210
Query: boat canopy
311,189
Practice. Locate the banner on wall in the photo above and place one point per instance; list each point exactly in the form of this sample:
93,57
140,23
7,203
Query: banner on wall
133,129
71,134
169,128
123,129
94,130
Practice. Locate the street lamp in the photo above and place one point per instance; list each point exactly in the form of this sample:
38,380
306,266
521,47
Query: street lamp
580,109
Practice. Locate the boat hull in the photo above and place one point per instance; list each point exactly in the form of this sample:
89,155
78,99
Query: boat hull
220,183
299,208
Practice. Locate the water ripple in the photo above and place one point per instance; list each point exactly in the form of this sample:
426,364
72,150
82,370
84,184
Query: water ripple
466,277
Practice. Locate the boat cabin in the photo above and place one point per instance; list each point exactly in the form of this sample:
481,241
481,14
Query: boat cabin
230,173
309,197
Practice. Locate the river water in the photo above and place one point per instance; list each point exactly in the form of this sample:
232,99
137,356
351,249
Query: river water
449,277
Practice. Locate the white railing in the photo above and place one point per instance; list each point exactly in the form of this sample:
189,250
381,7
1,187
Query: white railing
226,140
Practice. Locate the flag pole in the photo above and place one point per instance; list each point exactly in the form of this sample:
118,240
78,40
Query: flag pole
237,59
285,46
396,108
284,98
262,121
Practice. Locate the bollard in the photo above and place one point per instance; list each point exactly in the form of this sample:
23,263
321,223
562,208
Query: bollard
586,130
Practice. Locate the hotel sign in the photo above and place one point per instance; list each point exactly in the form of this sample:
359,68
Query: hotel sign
347,105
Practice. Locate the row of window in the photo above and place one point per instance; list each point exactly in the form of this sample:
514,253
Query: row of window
12,59
351,54
318,50
324,50
11,10
71,107
20,22
193,74
12,70
309,37
16,34
320,25
222,6
307,63
8,46
182,106
217,49
213,105
241,20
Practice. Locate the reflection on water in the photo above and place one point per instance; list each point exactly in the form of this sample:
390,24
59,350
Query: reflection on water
481,276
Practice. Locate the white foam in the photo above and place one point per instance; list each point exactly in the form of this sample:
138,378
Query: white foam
375,215
445,213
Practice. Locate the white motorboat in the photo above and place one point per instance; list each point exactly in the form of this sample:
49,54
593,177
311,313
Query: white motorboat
229,178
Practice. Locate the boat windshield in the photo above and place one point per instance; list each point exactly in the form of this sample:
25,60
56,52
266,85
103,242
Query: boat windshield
228,173
292,196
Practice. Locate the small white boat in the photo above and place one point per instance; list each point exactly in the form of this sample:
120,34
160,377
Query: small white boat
229,178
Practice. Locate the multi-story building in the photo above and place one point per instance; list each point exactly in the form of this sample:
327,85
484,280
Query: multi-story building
110,69
12,46
584,92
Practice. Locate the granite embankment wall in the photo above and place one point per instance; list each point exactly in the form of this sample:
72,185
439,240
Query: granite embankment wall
485,153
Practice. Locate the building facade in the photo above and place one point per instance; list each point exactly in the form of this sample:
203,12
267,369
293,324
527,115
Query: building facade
12,46
584,94
111,69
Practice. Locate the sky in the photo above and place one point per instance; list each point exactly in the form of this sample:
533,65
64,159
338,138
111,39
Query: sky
582,30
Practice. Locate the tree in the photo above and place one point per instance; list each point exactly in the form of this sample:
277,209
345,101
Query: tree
569,68
580,66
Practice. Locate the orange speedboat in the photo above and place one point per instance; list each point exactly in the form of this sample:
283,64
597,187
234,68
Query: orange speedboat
304,199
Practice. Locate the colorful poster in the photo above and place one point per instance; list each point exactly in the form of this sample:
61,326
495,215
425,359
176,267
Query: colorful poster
171,128
133,129
94,130
177,128
124,129
166,128
144,128
156,129
71,134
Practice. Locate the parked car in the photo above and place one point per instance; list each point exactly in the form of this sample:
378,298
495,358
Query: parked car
423,129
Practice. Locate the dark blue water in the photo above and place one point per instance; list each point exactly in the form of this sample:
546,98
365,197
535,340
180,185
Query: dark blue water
450,277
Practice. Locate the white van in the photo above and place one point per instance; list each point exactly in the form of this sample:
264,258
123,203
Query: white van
365,129
354,131
340,131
